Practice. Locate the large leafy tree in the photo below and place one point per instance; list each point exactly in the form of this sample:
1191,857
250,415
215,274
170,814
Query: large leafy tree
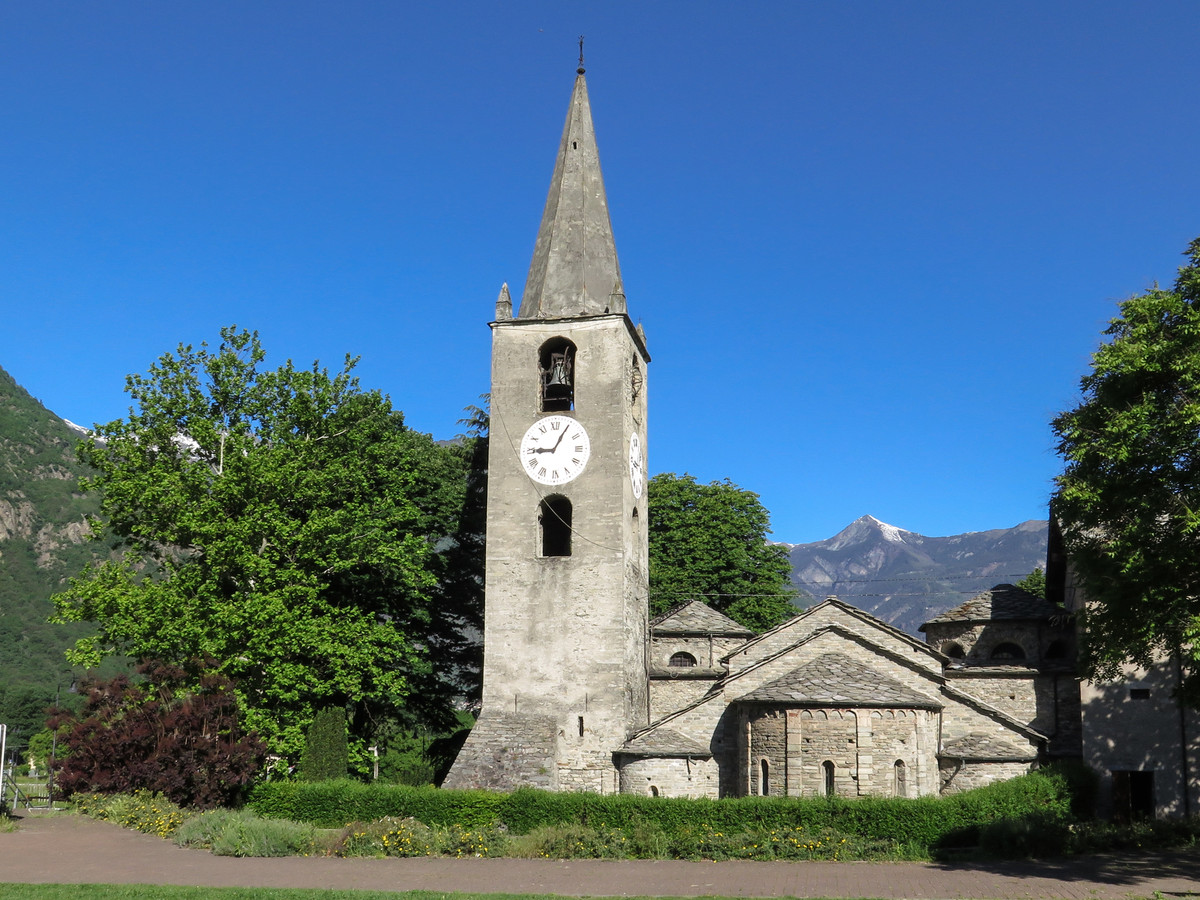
284,523
1129,497
709,542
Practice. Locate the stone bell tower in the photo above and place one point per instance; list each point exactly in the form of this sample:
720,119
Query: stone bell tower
565,633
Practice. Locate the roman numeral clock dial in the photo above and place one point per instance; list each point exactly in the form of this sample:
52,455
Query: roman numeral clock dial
554,450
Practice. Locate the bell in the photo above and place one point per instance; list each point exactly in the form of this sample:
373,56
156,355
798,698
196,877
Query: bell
557,388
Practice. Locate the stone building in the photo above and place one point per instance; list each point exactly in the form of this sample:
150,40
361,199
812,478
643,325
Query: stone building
565,630
581,692
835,701
1139,738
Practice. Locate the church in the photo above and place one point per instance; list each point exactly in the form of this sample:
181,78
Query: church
582,692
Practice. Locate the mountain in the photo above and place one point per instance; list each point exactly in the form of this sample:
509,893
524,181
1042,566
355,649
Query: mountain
43,538
905,578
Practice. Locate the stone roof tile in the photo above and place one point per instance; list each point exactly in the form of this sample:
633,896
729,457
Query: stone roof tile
834,679
664,742
978,746
695,617
1004,601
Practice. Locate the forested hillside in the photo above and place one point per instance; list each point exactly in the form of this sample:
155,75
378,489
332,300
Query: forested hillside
43,539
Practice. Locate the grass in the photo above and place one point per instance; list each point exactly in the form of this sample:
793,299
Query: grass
169,892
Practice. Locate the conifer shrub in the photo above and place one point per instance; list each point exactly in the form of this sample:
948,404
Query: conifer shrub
326,748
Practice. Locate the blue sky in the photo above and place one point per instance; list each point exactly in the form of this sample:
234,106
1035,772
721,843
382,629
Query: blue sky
872,243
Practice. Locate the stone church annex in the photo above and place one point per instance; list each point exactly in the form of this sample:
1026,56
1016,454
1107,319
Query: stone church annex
582,692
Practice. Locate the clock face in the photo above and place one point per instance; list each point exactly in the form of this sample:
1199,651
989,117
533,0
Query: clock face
637,468
555,449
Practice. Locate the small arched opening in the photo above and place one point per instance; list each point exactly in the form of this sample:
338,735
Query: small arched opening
556,375
1007,652
764,778
829,787
682,660
953,650
900,779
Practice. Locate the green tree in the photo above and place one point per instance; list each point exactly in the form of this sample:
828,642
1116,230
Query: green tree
709,542
282,522
1034,582
1128,499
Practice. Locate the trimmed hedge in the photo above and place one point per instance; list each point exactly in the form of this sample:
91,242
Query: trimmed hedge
1041,798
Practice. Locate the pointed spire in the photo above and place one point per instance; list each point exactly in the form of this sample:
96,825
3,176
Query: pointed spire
504,304
574,265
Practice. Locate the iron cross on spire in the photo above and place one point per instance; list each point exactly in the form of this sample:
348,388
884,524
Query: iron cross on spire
580,69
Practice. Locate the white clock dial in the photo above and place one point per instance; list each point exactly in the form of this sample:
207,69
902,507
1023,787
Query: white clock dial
555,449
637,467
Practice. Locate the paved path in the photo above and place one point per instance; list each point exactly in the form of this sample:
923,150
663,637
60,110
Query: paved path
70,849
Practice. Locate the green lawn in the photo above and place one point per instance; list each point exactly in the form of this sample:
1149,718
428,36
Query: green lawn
167,892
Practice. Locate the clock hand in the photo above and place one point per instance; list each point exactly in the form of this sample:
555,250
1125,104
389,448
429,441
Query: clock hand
559,441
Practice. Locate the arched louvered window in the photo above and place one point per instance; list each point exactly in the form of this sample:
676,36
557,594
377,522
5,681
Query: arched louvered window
682,660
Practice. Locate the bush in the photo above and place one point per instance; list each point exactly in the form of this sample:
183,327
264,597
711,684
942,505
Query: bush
572,842
746,827
463,841
1035,835
143,811
326,751
254,836
177,734
387,837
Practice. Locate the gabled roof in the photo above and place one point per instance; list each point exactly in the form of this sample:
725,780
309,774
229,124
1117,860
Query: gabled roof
574,270
695,617
664,742
834,679
1004,601
854,611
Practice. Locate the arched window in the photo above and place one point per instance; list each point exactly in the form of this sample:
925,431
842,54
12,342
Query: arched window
554,516
953,650
1007,651
901,778
764,778
635,380
682,660
556,375
653,790
830,786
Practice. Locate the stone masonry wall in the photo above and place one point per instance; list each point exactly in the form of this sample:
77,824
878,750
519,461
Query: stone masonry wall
670,694
960,776
503,753
670,777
